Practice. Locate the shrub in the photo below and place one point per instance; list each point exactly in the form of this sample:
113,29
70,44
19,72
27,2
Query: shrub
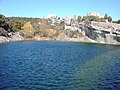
52,33
28,30
90,18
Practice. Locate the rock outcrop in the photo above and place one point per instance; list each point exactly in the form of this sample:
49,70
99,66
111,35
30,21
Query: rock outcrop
97,32
13,37
16,37
101,32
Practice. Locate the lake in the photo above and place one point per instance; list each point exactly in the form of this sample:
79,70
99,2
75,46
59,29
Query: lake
52,65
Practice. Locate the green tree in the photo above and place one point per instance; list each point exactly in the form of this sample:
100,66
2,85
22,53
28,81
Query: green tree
118,21
106,16
79,19
27,30
4,23
16,25
58,18
90,18
109,19
93,18
102,20
84,18
2,20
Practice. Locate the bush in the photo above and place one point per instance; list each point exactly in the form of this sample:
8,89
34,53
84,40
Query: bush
16,25
108,17
90,18
52,33
27,30
102,20
4,23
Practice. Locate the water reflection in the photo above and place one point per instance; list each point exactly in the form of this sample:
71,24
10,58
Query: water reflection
101,73
52,65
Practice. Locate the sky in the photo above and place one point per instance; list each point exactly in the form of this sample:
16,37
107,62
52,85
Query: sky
62,8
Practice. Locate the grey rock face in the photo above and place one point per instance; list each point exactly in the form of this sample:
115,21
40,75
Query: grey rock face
103,32
16,37
3,39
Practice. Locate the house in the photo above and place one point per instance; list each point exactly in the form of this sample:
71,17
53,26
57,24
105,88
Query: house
96,14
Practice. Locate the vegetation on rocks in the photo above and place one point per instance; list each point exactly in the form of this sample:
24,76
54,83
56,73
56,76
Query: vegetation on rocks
90,18
52,33
89,27
93,18
27,30
5,24
109,18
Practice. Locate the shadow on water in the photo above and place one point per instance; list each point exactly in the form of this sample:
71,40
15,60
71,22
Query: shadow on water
101,73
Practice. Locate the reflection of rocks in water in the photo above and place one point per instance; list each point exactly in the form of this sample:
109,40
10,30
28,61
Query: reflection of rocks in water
102,72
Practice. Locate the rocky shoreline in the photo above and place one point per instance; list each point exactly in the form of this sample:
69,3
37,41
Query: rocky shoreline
22,29
17,37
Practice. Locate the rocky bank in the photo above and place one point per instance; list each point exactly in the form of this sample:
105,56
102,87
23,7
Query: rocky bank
95,32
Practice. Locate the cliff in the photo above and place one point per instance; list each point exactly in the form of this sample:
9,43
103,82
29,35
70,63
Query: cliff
102,32
95,32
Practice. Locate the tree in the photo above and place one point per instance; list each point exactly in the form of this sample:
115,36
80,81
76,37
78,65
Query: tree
84,18
16,25
90,18
4,23
44,26
118,21
58,18
3,32
79,19
2,20
93,18
102,20
109,19
27,30
106,16
51,32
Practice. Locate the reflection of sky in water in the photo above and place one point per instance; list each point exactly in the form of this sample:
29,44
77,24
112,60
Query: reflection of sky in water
101,72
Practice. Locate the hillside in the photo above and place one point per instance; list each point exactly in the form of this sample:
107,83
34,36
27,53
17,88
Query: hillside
19,28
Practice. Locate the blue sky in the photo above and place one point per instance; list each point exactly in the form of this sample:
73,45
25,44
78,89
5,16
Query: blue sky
41,8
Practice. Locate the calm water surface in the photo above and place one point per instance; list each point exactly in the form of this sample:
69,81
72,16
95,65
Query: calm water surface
50,65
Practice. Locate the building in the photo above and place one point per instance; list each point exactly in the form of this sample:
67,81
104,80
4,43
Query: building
52,16
75,19
68,20
96,14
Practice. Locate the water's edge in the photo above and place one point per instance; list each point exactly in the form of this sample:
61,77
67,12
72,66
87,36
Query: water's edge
60,41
